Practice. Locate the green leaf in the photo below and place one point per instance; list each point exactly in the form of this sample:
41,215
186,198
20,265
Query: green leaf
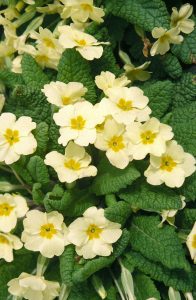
145,288
107,62
185,219
24,261
83,291
178,279
53,138
110,179
32,73
10,79
184,90
184,127
37,193
140,12
28,101
189,188
171,65
73,67
151,198
186,51
41,135
118,212
67,261
38,169
20,168
99,263
160,245
69,203
160,95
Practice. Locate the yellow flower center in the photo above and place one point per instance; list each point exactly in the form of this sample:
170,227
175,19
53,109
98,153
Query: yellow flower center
125,105
12,136
47,231
93,232
66,100
194,241
3,240
78,123
42,58
100,127
167,163
49,43
81,43
116,143
72,164
148,137
5,209
87,7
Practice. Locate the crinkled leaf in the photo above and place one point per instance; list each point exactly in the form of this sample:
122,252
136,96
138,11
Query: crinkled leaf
186,51
41,135
160,95
110,179
67,261
184,127
186,218
38,169
73,67
118,212
189,188
161,245
37,193
32,73
69,203
20,168
10,79
107,62
28,101
145,288
83,291
151,198
171,65
53,138
99,263
178,279
184,90
146,14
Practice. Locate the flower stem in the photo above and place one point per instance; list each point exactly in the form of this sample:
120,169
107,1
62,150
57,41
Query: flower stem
70,186
42,263
117,285
64,292
21,181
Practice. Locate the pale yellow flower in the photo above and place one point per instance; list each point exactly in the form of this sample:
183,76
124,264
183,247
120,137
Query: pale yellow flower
16,138
164,39
133,72
172,167
114,140
93,234
180,19
73,165
107,80
12,207
62,94
45,233
8,243
81,11
47,39
33,287
191,243
84,43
